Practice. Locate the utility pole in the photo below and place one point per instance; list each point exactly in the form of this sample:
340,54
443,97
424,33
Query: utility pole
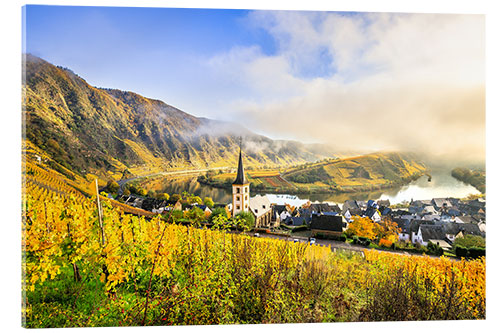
99,211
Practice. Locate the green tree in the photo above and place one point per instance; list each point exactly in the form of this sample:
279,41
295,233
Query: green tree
195,215
249,219
469,241
175,197
208,202
218,211
126,191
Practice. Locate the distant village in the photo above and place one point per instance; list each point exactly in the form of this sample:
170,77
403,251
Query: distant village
438,220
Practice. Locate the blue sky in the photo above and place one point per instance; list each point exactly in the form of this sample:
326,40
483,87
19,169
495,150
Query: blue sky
152,51
309,76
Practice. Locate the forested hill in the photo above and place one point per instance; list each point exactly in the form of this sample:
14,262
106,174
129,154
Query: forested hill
89,129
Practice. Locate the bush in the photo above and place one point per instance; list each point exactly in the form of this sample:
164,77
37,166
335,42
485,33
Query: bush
469,241
364,241
460,251
476,252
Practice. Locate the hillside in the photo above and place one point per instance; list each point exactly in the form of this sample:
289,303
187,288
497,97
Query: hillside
107,131
475,178
371,169
360,173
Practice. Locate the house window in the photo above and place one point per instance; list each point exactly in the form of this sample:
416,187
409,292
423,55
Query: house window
237,190
256,210
237,198
237,206
246,197
246,189
263,207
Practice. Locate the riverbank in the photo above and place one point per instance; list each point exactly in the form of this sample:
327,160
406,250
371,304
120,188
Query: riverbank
312,188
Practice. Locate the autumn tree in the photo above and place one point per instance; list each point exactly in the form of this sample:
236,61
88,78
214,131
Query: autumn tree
387,231
362,227
195,200
163,196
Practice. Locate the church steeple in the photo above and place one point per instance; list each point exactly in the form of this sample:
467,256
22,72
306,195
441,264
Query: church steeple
240,175
241,189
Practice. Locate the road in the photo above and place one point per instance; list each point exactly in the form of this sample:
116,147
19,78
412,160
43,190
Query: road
334,245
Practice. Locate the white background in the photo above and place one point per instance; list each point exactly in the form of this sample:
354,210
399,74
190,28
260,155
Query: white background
10,108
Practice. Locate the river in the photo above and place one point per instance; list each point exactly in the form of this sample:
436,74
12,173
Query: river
442,185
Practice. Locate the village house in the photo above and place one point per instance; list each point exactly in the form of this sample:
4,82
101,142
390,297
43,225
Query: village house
440,203
295,221
173,205
430,233
465,219
330,225
306,214
384,203
350,209
260,206
404,225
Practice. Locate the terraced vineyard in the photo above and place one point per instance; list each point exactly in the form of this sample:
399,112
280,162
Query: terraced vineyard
130,270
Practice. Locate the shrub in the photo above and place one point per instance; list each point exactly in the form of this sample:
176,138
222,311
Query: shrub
476,252
469,241
364,241
460,251
385,243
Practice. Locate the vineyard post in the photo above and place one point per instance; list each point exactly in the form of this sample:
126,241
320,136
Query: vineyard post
99,211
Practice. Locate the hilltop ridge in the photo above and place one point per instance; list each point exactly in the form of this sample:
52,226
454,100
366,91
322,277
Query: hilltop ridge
89,129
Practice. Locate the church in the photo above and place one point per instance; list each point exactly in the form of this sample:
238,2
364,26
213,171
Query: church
260,206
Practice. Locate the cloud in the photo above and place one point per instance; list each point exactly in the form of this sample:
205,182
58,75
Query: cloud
379,81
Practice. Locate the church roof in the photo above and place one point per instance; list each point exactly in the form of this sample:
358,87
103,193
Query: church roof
240,176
